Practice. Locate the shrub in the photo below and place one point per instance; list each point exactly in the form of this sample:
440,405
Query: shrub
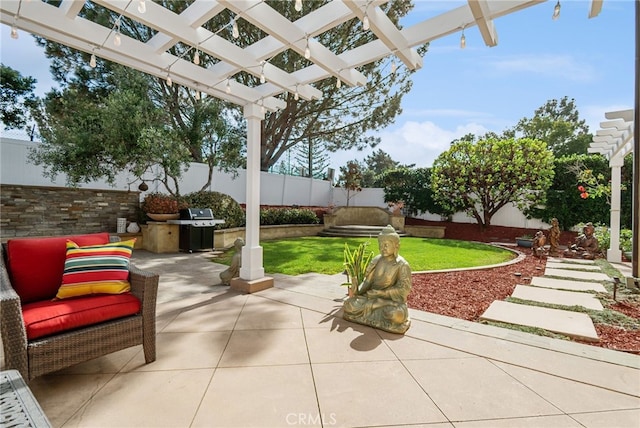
161,203
275,216
224,207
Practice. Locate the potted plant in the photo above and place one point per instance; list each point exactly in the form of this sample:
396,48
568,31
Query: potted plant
355,263
525,241
161,207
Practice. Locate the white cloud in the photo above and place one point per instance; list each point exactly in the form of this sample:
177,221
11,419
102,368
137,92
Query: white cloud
556,66
594,114
416,143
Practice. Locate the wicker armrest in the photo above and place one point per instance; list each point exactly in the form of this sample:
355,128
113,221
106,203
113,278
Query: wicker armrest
144,285
12,330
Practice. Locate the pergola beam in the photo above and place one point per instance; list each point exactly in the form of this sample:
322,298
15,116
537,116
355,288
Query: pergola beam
482,17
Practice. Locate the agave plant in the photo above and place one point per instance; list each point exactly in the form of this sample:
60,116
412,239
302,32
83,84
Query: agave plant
355,263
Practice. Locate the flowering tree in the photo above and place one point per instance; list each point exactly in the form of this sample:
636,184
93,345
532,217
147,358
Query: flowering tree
484,176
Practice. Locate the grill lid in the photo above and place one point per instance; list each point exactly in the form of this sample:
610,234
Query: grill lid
196,214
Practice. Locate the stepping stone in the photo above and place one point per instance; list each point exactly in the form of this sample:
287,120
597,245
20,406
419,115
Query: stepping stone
567,284
574,261
557,297
575,274
578,266
572,324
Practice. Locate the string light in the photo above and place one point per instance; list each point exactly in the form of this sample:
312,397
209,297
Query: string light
463,40
169,81
142,7
228,89
196,57
365,22
117,40
394,67
197,95
14,32
235,33
338,82
298,5
307,51
92,61
296,95
556,11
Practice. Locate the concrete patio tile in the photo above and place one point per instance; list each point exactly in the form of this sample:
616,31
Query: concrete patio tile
314,319
576,274
469,389
365,394
265,347
620,418
573,324
557,297
577,266
567,284
355,343
150,399
409,348
302,300
62,396
556,421
219,313
571,396
175,351
274,396
260,313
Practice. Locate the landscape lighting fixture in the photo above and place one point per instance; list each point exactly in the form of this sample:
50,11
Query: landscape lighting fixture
556,11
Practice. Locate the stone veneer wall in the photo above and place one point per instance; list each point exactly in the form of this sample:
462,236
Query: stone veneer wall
51,211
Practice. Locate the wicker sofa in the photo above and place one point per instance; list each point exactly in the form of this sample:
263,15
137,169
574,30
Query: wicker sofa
56,350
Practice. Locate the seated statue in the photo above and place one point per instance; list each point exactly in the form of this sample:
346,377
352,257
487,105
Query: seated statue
233,270
586,244
381,300
538,244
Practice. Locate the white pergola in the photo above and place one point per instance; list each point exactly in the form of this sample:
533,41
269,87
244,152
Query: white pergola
63,24
615,141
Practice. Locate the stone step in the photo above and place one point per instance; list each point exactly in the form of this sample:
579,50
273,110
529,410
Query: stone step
557,297
567,284
575,274
576,266
573,324
348,231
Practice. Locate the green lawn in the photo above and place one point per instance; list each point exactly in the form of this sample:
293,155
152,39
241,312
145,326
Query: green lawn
296,256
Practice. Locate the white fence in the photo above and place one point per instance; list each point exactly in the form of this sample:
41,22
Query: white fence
275,189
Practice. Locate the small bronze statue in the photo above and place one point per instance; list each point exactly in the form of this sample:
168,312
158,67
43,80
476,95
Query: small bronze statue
538,244
586,244
381,300
554,238
233,271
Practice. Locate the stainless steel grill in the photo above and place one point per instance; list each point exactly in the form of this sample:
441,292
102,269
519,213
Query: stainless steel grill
196,229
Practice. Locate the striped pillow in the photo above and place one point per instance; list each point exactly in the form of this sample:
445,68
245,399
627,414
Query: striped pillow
96,269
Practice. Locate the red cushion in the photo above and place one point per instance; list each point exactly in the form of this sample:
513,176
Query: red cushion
35,265
49,317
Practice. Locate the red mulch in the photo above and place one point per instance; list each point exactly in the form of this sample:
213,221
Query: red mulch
467,294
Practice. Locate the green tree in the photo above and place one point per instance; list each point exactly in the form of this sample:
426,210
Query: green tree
413,187
558,124
312,158
351,179
375,165
484,176
16,96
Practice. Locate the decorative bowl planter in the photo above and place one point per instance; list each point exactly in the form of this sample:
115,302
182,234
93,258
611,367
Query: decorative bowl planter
524,242
163,217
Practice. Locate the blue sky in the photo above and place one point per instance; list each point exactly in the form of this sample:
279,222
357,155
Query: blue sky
479,89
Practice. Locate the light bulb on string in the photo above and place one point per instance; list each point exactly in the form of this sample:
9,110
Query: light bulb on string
235,33
296,95
338,83
142,7
298,5
556,11
169,81
307,51
92,61
197,95
14,32
365,22
228,89
463,40
394,67
196,58
117,40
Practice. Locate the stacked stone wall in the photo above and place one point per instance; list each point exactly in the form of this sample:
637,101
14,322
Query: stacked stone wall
51,211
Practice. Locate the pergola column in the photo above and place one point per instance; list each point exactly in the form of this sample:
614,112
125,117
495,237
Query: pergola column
614,254
252,277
